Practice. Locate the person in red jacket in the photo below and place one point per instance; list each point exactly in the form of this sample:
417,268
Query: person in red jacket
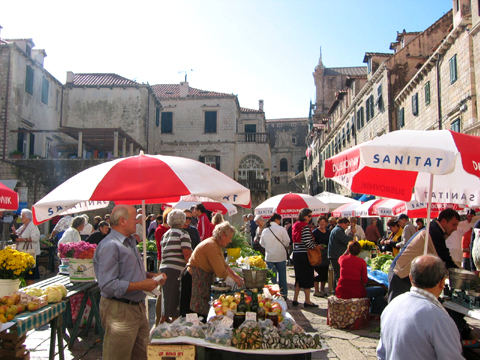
353,279
159,231
204,226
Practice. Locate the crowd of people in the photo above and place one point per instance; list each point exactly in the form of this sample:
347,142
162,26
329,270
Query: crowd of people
190,251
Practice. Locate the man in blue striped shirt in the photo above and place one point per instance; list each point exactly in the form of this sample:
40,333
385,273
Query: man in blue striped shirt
122,279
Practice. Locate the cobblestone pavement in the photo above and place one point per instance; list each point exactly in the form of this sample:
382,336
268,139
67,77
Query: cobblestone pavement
338,344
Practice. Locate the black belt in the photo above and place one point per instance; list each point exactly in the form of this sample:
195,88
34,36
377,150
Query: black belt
126,301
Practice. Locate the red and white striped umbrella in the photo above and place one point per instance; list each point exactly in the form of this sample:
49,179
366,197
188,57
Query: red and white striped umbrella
212,206
401,162
438,166
152,179
289,205
8,198
346,210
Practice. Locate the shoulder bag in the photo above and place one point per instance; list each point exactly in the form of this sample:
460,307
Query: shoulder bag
286,250
26,246
315,255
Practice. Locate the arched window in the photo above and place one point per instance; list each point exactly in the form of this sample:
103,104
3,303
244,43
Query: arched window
283,164
251,168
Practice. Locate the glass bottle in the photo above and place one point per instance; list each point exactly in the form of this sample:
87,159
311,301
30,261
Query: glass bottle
242,305
254,303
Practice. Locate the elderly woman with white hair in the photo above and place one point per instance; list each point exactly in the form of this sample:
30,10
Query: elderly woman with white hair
208,261
176,250
28,240
72,234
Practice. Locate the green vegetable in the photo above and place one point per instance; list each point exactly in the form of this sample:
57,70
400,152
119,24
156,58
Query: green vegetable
377,262
238,241
386,266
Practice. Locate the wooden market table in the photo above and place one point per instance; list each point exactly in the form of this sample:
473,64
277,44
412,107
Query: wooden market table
90,291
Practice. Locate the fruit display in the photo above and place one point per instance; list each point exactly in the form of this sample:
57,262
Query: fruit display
53,293
17,303
247,336
229,305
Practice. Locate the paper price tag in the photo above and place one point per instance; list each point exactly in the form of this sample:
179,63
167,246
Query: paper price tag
226,321
250,315
192,317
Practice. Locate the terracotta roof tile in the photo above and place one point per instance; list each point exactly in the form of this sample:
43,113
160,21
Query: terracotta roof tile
102,80
353,70
170,91
246,110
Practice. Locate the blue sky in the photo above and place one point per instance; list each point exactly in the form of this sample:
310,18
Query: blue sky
257,49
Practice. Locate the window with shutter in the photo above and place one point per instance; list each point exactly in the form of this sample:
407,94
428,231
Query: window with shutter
415,104
45,87
427,93
210,122
455,125
379,98
400,118
157,116
283,164
31,151
29,80
453,68
167,122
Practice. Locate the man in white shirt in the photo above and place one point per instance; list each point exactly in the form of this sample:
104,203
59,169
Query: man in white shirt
358,229
454,241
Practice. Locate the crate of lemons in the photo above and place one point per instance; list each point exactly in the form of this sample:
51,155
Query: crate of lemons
30,299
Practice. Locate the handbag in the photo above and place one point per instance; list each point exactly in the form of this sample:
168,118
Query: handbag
315,255
286,250
27,246
29,249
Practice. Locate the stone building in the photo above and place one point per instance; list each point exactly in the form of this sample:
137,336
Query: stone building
442,94
58,130
212,127
328,81
30,101
364,108
108,115
287,146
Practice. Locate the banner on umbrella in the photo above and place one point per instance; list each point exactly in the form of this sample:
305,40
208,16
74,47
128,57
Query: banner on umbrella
48,211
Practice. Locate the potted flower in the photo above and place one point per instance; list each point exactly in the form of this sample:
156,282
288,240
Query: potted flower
80,260
16,154
367,248
234,248
14,265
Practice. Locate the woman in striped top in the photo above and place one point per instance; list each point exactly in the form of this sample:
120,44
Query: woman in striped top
176,251
302,239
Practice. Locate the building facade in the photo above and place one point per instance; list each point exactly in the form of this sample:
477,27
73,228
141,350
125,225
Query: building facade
212,127
287,146
365,107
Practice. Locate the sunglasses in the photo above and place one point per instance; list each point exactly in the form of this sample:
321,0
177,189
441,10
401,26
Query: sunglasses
189,218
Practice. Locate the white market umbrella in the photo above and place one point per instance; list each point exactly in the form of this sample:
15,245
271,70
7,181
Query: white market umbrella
332,200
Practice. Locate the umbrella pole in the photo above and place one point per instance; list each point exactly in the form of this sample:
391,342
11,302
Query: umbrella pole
144,236
429,207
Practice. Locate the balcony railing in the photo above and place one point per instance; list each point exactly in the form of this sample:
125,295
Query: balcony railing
252,137
255,185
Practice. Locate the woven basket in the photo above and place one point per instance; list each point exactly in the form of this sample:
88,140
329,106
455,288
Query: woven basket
254,279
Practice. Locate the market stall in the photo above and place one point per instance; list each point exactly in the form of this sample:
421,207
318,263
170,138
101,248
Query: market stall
245,323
